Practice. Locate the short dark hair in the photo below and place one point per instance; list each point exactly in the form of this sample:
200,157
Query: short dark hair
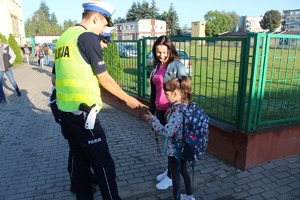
89,13
165,40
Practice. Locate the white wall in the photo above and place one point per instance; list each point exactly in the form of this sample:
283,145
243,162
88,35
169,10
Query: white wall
8,8
44,39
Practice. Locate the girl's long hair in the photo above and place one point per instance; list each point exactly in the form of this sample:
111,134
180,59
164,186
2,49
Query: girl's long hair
183,84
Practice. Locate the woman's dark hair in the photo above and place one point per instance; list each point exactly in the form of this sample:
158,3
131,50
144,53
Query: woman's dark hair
183,84
165,40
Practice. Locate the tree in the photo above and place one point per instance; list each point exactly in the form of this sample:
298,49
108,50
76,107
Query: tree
172,21
120,20
153,10
141,11
271,20
53,19
235,21
112,60
42,22
16,48
216,23
45,9
162,16
69,23
186,29
3,39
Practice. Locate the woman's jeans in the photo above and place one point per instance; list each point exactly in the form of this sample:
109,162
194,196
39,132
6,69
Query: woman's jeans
10,76
47,60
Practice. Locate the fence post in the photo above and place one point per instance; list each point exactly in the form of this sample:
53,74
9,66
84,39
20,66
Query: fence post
142,67
139,68
252,81
243,82
262,78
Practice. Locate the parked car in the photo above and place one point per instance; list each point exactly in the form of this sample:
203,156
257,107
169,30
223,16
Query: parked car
51,46
127,50
183,57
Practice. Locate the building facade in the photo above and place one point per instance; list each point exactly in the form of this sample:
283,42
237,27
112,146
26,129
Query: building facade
291,19
12,20
140,29
45,38
198,29
251,24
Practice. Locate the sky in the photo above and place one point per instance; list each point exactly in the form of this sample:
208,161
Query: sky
187,10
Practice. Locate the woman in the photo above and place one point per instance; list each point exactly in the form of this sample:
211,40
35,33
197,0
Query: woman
46,51
27,53
166,66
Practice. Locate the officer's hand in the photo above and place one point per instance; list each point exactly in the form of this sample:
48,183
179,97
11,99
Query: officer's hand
133,102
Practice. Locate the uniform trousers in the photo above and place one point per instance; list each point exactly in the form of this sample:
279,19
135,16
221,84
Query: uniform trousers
89,149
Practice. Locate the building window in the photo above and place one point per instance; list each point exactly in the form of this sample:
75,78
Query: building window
15,25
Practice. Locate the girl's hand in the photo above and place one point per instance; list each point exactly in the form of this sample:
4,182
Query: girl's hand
167,112
148,115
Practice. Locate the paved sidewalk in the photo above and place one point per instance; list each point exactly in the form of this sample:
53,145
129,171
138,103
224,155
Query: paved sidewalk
34,155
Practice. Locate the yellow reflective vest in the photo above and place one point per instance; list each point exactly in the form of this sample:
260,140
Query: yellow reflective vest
75,81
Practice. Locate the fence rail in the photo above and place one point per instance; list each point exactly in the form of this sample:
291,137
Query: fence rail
244,82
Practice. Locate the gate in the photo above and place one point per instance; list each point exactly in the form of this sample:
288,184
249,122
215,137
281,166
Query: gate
244,82
274,94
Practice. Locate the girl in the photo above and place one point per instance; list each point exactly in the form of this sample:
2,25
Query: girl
166,66
41,56
178,92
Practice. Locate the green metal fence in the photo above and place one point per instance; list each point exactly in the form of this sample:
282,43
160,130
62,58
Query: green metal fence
274,68
244,82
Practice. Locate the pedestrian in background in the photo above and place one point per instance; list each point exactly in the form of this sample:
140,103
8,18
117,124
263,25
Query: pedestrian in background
7,57
27,53
36,51
179,93
166,66
41,56
46,52
78,73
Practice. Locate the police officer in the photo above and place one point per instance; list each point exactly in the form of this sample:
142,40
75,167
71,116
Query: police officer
79,68
104,40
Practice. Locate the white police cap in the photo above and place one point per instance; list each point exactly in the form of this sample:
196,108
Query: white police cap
106,9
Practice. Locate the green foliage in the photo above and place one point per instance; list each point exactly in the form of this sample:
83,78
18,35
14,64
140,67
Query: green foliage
45,9
3,39
142,11
163,16
185,29
153,10
53,19
16,48
172,21
271,20
216,23
42,22
112,60
235,21
120,20
69,23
